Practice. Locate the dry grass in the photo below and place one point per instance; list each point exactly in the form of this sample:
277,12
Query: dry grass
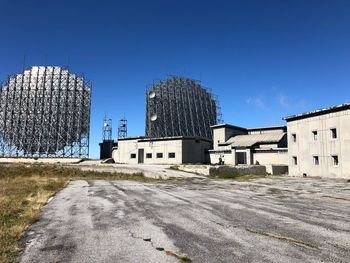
23,192
235,176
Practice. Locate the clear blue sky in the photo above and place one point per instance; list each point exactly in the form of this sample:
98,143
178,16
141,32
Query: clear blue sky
264,59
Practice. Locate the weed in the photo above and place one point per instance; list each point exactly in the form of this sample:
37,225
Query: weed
283,238
236,176
174,167
182,259
25,189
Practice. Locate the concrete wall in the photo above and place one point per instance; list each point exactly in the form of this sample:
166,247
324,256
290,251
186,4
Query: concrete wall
268,146
186,151
214,156
124,150
264,158
195,151
324,147
222,134
238,170
263,131
164,147
276,169
280,157
229,156
106,149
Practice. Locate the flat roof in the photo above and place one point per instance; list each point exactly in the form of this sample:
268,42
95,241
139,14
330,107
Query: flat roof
131,138
248,129
277,127
172,138
223,125
337,108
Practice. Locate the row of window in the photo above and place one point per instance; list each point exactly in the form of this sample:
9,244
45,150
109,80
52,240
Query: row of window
316,160
149,155
333,134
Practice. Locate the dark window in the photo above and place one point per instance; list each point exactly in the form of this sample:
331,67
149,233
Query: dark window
335,160
171,155
295,160
159,155
294,137
316,160
133,155
334,133
148,155
314,134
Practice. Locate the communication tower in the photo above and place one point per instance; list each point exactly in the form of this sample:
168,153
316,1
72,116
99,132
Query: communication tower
123,128
106,147
107,129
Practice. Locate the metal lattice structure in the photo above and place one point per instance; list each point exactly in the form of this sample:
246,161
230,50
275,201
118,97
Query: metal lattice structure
179,106
123,128
45,112
107,129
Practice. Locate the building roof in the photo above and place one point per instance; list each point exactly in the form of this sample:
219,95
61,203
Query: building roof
269,128
172,138
225,125
252,139
131,138
337,108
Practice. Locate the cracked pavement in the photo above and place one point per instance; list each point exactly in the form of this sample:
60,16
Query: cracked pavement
275,219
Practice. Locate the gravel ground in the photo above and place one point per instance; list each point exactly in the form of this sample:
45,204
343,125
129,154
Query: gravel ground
149,170
276,219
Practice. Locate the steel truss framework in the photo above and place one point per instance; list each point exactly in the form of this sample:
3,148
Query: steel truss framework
179,106
107,129
45,112
123,128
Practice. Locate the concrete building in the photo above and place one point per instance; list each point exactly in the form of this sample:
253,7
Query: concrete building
319,142
237,145
168,150
106,148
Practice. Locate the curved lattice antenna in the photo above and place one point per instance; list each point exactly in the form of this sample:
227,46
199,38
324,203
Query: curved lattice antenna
45,112
182,106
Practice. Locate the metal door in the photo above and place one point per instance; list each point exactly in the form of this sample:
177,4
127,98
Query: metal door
141,156
241,157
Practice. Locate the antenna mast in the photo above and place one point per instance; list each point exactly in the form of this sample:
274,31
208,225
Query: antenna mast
123,128
107,129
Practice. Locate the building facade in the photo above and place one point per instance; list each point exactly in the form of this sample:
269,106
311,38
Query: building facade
168,150
319,142
240,146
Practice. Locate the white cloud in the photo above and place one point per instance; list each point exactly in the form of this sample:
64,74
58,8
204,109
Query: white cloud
257,102
282,100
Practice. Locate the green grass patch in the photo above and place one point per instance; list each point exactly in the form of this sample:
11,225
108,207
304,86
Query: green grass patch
24,189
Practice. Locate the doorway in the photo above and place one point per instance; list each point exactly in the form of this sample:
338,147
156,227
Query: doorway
141,156
241,157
